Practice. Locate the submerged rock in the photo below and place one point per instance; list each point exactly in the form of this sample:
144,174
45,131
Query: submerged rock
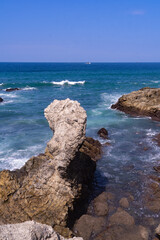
88,226
12,89
121,217
50,188
103,133
145,102
124,202
29,230
100,205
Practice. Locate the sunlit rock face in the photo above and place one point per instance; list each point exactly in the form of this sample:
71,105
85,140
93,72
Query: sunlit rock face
144,102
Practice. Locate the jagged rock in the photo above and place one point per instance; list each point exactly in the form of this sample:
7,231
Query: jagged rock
103,133
50,188
29,230
145,102
12,89
1,99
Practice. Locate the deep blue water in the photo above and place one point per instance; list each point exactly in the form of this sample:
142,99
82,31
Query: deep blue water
24,131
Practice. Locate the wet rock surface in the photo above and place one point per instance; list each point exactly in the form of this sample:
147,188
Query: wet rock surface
1,99
29,230
51,187
144,102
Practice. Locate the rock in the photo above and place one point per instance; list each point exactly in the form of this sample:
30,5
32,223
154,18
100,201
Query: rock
145,102
121,217
88,226
12,89
52,187
103,133
29,230
124,203
157,230
157,169
157,139
1,99
144,232
101,205
117,232
92,148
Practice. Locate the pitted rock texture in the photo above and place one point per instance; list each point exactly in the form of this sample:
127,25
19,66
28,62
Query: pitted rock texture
144,102
68,121
50,187
30,230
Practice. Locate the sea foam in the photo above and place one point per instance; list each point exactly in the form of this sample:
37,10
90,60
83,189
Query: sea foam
1,84
67,82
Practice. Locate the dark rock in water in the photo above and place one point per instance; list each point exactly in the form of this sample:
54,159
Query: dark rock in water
88,226
103,133
12,89
157,169
1,99
50,188
145,102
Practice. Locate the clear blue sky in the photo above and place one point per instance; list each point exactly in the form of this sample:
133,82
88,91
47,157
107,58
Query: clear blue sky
80,30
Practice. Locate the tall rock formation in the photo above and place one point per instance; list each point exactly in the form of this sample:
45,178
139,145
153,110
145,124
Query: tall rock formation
50,187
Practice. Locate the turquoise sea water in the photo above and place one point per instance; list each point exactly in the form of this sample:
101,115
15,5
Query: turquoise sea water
24,131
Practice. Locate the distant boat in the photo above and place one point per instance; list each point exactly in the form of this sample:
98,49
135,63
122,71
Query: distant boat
88,62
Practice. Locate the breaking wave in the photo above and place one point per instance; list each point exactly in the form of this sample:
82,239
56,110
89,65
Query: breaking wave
67,82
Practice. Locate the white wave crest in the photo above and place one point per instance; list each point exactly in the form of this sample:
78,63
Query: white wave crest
1,84
29,88
67,82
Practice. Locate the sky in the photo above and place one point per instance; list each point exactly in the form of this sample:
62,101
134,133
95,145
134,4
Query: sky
79,30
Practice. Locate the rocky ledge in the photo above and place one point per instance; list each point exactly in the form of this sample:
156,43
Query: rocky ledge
144,102
50,187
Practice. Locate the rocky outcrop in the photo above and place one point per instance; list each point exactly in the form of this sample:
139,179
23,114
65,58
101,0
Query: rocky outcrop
50,188
1,99
30,230
12,89
145,102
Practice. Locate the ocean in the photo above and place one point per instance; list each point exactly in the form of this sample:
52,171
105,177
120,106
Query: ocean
24,131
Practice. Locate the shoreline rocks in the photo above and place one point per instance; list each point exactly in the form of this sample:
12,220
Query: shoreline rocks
144,102
1,100
51,187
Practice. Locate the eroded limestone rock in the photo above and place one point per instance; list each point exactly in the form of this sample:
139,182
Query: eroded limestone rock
30,230
50,188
